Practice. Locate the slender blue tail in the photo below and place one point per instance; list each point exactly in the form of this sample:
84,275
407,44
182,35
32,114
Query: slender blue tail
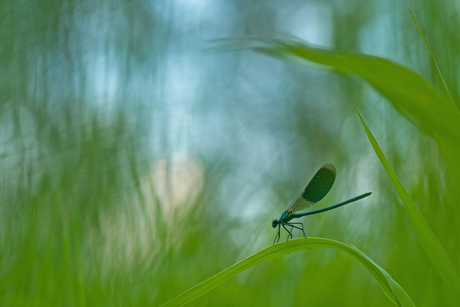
333,207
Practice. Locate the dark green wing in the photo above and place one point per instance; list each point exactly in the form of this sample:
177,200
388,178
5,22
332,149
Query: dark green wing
316,189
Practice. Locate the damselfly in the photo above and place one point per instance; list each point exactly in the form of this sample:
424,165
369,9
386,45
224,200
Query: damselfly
316,189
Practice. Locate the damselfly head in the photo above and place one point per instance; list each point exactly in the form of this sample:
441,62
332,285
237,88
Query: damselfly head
274,223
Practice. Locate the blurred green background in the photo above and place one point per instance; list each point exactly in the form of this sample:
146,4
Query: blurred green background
136,162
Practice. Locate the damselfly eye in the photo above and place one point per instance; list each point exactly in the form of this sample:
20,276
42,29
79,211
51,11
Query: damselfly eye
274,223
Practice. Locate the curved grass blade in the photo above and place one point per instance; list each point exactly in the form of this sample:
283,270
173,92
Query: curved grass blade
390,287
414,97
433,249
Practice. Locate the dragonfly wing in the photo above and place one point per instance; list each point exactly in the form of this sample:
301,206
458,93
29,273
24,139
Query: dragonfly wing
316,189
299,203
320,184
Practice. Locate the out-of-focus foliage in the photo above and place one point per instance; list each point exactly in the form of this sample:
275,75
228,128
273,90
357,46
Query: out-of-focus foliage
135,163
415,98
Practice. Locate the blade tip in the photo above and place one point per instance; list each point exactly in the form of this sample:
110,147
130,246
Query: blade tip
330,167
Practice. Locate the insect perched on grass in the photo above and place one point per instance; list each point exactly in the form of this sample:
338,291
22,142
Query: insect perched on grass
316,189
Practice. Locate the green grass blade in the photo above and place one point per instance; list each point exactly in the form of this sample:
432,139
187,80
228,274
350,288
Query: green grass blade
390,287
433,249
441,78
414,97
